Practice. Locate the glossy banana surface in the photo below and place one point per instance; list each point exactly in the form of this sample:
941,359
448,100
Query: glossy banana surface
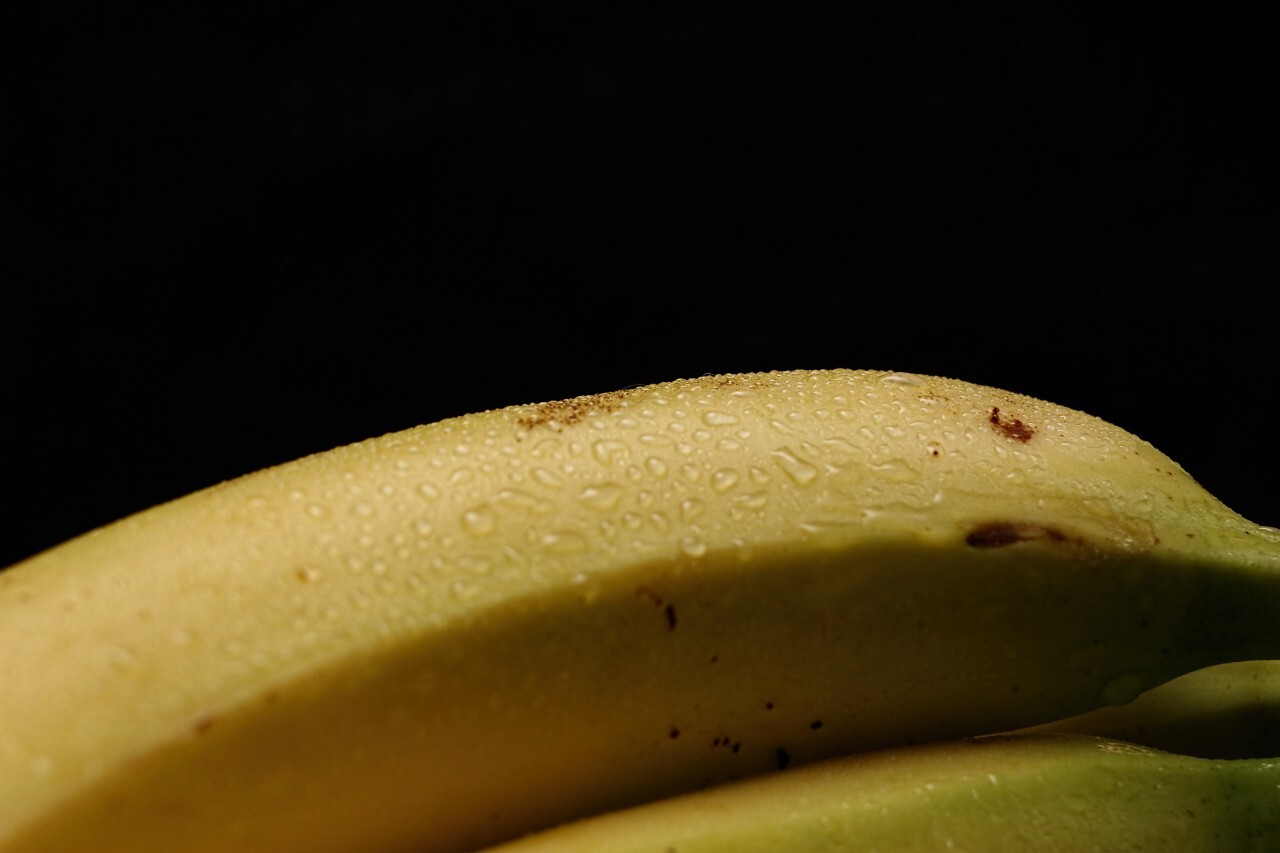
1231,710
998,794
451,635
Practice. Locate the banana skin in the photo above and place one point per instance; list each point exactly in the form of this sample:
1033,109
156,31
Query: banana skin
1227,711
452,635
994,794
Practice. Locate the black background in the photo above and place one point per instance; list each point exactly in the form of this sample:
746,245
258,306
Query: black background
237,236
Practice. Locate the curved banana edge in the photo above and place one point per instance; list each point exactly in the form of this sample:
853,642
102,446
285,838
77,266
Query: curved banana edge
986,795
687,580
1231,710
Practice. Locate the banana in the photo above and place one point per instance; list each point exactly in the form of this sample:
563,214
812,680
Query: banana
1231,710
991,794
456,634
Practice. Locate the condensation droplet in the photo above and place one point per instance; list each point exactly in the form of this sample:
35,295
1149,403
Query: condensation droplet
606,451
692,546
122,658
546,477
603,497
840,444
480,521
524,501
903,379
563,542
656,466
759,476
724,479
660,522
896,470
716,418
427,490
362,509
801,472
475,565
316,511
691,509
464,591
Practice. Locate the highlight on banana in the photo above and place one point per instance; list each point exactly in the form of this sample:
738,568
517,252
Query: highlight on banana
692,596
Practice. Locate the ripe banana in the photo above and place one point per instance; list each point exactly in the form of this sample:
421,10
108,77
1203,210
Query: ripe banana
1231,710
461,632
994,794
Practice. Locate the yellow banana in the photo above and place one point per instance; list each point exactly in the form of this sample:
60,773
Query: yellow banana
995,794
1231,710
461,632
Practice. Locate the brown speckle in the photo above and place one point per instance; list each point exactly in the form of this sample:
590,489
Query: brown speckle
668,610
202,725
558,414
783,758
815,725
649,595
1010,427
674,733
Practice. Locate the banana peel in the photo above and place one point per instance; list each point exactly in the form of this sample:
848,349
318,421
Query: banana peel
459,633
994,794
1227,711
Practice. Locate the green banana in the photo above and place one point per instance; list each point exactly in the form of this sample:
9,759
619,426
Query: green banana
995,794
465,631
1231,710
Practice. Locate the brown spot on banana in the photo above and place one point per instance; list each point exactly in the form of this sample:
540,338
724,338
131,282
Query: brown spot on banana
1000,534
558,414
668,610
1010,427
562,413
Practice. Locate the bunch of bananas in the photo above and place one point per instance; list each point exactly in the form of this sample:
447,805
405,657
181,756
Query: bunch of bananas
819,610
